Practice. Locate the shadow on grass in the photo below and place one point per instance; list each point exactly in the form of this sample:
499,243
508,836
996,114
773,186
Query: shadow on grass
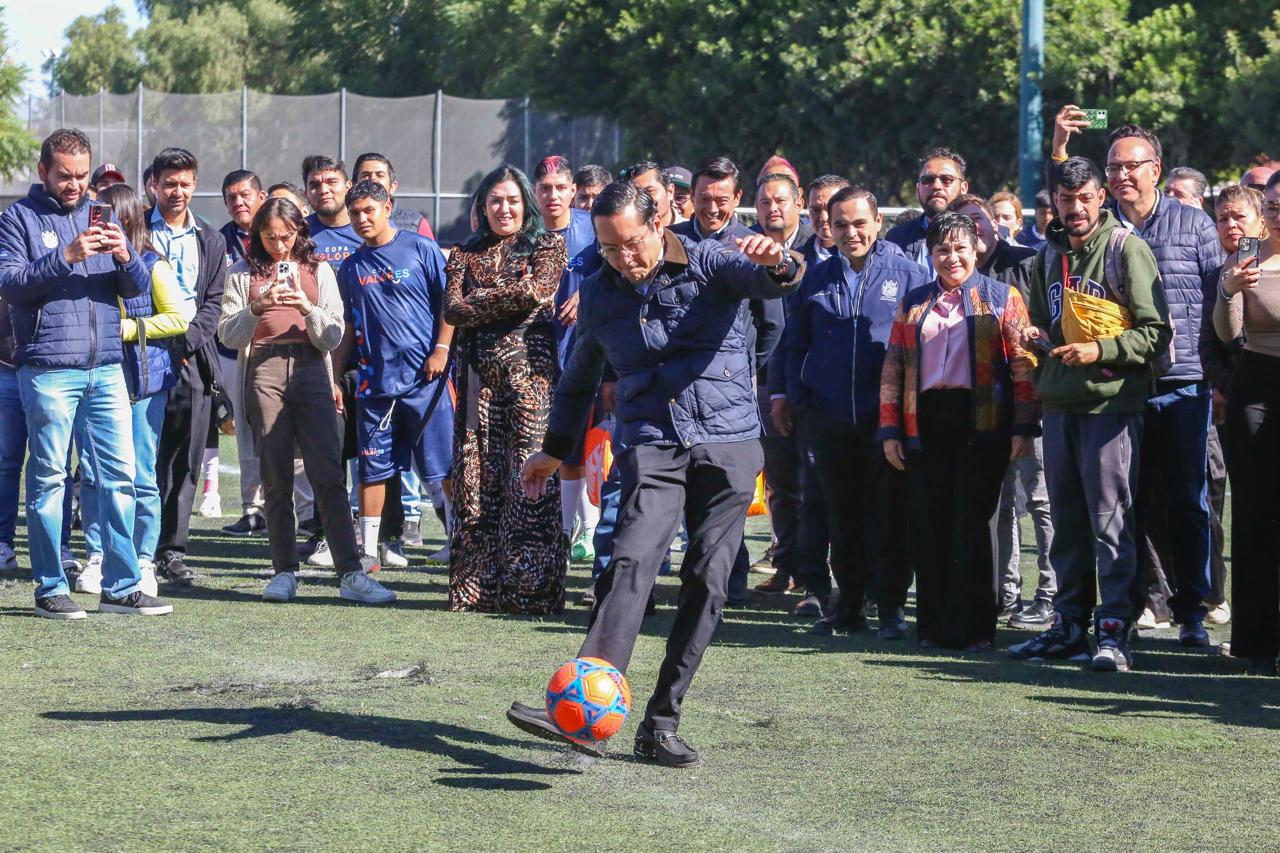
1169,685
478,768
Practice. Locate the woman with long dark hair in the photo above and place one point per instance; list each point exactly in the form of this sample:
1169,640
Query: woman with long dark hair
508,553
281,309
956,395
148,323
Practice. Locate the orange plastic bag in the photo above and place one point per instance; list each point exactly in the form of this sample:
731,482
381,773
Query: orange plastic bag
758,504
597,459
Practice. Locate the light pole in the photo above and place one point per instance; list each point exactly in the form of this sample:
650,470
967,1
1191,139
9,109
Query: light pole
1030,122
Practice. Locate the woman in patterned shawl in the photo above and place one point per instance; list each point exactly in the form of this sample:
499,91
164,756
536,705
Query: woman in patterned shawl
508,553
956,403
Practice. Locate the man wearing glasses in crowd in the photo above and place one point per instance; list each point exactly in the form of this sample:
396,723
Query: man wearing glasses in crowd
940,181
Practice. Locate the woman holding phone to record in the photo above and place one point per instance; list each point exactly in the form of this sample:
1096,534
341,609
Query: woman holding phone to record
282,311
1248,303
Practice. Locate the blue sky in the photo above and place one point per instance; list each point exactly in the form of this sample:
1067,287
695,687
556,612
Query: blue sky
38,24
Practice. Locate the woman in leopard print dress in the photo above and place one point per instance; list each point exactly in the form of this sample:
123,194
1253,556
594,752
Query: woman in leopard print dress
508,553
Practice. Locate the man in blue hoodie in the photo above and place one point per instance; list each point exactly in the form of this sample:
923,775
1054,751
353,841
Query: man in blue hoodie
836,337
63,267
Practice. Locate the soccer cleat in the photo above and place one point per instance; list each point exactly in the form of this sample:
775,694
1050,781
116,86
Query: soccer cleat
148,584
1112,654
1060,642
1038,616
412,534
248,524
358,586
90,579
136,603
58,607
583,547
393,555
321,558
665,747
1219,614
283,587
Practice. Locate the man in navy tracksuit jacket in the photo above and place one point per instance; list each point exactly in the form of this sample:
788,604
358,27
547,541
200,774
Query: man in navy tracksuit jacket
837,332
61,279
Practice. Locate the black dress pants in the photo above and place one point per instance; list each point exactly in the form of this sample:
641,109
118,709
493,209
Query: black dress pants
866,514
713,484
954,488
179,455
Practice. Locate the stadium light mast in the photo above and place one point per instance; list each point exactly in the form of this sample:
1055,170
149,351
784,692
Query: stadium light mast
1030,121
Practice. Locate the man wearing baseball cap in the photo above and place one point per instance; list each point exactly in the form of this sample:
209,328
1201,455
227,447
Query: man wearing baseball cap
106,175
682,199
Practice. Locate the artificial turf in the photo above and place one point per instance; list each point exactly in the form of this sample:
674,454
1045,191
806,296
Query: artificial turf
235,724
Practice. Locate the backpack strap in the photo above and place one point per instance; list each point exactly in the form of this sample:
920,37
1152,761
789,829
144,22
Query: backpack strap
1113,263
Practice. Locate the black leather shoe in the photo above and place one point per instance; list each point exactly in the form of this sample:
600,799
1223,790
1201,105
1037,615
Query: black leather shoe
172,569
665,747
534,721
838,623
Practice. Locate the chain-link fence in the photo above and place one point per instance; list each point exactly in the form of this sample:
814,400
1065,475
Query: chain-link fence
441,146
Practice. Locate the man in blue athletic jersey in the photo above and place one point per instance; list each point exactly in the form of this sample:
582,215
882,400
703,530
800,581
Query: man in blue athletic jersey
326,183
554,189
392,286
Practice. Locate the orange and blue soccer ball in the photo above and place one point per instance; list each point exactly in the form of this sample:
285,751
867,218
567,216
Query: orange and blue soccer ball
588,699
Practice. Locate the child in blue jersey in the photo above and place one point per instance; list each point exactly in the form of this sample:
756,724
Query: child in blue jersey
554,189
392,286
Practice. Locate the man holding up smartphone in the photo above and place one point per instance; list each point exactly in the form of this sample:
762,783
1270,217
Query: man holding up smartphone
63,268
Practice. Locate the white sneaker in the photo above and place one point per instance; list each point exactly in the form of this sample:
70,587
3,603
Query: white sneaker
441,556
1147,621
8,559
392,555
90,579
320,557
211,505
282,587
149,583
358,586
1219,615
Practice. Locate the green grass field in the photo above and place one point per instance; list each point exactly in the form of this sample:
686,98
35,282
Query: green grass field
319,725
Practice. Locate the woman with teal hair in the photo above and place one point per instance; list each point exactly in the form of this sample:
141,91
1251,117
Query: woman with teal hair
508,553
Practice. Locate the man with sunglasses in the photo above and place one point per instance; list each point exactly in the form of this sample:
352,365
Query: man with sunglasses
1174,516
940,181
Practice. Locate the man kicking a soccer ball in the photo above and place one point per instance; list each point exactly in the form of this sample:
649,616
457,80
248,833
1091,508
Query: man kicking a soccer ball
668,315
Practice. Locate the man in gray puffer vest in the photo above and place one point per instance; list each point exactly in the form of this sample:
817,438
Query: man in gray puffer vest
63,267
1173,487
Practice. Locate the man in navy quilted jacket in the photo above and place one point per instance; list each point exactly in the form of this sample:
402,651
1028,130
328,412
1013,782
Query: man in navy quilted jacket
63,266
1173,485
669,316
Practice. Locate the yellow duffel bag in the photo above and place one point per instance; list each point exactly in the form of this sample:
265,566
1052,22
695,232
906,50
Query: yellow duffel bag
1086,318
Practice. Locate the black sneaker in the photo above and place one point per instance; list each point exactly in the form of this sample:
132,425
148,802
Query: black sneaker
306,549
58,607
1112,654
1193,634
172,569
1059,642
1038,616
310,528
534,721
249,524
838,623
136,603
412,534
664,747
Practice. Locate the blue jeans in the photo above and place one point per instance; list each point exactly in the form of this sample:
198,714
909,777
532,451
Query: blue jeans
148,419
1173,481
13,448
56,402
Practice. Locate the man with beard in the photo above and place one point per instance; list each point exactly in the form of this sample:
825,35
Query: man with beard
326,183
1094,394
941,179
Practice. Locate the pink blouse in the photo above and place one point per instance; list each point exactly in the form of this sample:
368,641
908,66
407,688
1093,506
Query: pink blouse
944,344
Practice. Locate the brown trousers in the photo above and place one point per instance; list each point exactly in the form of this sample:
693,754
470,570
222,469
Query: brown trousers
288,401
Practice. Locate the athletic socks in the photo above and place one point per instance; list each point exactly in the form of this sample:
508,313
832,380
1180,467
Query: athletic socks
571,494
369,527
209,471
588,512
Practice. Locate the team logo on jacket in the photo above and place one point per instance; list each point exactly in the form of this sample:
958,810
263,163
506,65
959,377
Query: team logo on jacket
50,239
889,290
1054,292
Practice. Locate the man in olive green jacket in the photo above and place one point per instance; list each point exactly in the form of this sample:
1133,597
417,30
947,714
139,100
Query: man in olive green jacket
1094,394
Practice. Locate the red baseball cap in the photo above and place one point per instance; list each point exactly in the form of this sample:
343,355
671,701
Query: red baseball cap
106,170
